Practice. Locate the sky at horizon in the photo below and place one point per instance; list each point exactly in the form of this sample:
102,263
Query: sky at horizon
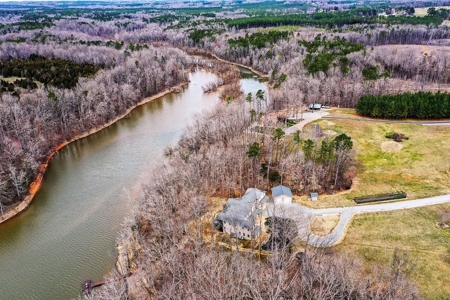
116,1
75,1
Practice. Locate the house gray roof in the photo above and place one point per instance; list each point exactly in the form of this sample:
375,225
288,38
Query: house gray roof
314,195
253,194
241,215
250,196
281,190
242,211
264,200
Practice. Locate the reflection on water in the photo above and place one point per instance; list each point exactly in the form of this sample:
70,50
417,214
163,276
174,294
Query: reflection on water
68,233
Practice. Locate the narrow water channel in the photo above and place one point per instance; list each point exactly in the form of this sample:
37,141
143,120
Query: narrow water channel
68,233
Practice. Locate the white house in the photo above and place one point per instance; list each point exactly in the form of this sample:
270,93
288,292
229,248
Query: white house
281,195
238,216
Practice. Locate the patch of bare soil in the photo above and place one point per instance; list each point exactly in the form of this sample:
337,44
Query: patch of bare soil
324,225
391,146
441,225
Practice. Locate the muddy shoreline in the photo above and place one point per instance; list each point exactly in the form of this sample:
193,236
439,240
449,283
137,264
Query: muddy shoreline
128,249
195,51
36,184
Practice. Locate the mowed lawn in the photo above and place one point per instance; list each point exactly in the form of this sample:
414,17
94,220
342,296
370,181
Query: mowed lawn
421,168
414,231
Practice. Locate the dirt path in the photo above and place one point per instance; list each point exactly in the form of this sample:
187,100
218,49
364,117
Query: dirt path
262,75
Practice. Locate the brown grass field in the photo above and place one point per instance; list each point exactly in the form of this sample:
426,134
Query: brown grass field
414,231
422,11
421,168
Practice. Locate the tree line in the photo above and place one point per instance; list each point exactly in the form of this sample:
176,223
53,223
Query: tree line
383,34
344,82
173,226
199,34
47,116
331,20
259,39
421,105
56,72
23,26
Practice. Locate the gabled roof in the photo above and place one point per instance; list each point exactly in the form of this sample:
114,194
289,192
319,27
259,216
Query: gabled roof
239,215
242,211
264,200
250,196
281,190
253,194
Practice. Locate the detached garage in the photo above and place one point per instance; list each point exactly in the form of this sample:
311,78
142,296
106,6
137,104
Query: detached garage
281,195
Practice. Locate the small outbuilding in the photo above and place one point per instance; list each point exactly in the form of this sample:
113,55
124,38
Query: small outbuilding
314,196
281,195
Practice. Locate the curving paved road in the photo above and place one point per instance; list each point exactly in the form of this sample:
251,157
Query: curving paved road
308,117
303,216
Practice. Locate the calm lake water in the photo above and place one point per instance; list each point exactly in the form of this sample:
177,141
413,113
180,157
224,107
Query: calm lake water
68,233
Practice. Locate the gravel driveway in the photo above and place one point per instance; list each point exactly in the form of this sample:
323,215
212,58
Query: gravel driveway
303,216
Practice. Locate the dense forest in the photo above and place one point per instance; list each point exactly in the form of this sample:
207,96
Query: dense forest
259,39
421,105
197,169
320,61
67,70
48,115
331,19
56,72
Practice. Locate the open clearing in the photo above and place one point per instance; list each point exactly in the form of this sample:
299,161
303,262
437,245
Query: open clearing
375,236
421,168
407,50
421,12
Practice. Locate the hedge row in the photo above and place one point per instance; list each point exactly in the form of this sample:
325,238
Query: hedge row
380,197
